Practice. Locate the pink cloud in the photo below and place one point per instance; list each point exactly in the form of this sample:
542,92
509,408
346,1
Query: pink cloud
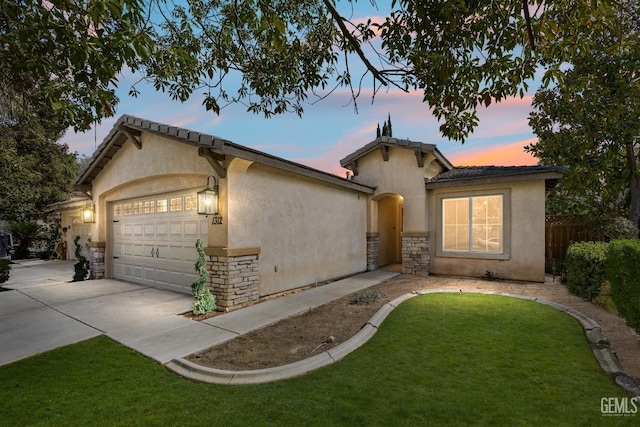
329,161
502,155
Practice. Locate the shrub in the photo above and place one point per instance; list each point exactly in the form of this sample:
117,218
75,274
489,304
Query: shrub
25,232
205,301
623,259
585,268
5,270
365,297
82,266
619,228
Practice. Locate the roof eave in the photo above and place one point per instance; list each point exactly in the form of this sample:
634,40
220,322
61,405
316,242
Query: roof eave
119,135
552,177
350,160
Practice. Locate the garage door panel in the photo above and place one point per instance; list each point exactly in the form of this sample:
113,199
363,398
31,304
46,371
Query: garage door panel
138,272
117,250
161,229
175,228
175,253
138,250
191,228
149,230
157,248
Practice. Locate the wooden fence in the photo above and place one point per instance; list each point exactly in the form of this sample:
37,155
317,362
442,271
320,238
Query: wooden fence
560,232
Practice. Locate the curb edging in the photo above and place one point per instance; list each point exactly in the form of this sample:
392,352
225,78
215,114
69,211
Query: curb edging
601,348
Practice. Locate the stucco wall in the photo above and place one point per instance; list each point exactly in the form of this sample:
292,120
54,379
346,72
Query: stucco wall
71,221
400,175
161,166
526,255
307,231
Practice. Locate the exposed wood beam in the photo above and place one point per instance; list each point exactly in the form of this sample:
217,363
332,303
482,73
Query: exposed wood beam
385,152
354,167
419,158
133,135
215,160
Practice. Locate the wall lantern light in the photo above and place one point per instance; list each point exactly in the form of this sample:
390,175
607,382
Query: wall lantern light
208,198
88,214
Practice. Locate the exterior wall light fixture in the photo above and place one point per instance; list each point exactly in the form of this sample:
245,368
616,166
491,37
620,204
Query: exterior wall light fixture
88,214
208,198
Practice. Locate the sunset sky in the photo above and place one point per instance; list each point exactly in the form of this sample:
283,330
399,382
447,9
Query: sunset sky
330,129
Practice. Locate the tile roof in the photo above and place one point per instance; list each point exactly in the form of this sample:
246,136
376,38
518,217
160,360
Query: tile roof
399,143
472,175
127,126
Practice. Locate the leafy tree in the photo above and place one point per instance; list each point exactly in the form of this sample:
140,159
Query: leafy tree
67,54
461,55
590,123
386,128
35,171
25,232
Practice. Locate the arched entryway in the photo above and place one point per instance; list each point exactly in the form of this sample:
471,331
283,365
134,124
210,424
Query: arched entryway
390,224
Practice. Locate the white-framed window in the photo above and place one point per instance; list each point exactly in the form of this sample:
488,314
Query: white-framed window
175,204
117,210
161,205
475,225
137,208
149,206
127,208
190,203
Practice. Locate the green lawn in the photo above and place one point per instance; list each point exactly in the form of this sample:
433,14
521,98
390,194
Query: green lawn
454,359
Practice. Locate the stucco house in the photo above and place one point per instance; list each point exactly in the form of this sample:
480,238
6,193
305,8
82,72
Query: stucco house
281,225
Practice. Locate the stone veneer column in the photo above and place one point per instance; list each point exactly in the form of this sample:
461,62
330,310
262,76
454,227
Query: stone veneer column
373,251
96,259
415,253
233,276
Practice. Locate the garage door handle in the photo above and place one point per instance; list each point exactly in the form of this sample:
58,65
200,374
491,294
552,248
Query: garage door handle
157,253
151,252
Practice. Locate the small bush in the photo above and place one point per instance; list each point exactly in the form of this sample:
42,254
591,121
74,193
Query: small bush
604,299
5,270
82,266
204,301
623,259
365,297
585,268
619,228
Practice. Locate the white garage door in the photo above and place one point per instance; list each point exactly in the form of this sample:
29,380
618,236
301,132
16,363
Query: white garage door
154,240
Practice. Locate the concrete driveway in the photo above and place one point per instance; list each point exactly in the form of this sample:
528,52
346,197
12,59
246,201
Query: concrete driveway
45,310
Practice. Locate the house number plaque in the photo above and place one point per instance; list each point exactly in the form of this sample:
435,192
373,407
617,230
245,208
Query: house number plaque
216,220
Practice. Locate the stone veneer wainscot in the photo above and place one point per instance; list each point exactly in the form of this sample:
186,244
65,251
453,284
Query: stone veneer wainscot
415,253
96,259
233,276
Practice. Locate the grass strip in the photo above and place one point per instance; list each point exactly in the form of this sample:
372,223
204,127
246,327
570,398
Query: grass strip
454,359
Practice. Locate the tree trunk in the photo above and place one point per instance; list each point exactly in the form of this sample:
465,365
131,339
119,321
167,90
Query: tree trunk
634,212
634,183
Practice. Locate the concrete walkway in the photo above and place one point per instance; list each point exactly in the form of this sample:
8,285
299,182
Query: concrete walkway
44,310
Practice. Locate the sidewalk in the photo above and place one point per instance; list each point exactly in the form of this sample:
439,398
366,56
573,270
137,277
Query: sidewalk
44,310
176,336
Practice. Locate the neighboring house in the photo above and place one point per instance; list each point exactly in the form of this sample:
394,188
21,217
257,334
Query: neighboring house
73,224
282,225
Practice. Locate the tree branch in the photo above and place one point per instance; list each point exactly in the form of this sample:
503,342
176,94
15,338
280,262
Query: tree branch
527,17
354,43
